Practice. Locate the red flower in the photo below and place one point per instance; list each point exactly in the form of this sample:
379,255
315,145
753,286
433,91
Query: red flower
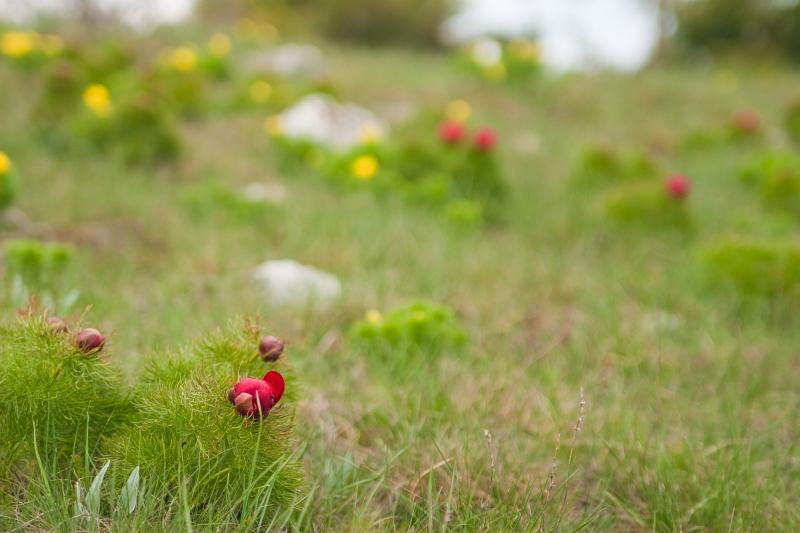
746,121
255,397
451,131
678,186
485,139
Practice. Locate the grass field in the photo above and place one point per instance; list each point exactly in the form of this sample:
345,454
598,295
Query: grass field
607,384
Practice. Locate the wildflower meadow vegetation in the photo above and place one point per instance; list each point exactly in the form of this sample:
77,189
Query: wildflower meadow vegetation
250,285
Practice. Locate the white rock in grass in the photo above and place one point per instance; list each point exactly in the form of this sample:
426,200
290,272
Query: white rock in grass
289,284
338,125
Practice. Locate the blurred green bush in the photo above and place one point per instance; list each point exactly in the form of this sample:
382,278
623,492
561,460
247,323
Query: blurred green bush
741,24
408,22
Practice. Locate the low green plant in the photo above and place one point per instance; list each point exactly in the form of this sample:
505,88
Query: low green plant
195,450
646,204
419,327
39,270
58,402
8,181
776,176
601,165
754,267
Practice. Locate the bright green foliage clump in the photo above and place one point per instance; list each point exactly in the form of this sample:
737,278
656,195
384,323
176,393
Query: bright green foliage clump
601,165
420,327
762,268
776,175
39,269
187,436
8,182
55,400
647,205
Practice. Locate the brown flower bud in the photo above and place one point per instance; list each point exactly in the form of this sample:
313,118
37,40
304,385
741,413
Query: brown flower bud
57,324
270,348
90,340
244,404
232,395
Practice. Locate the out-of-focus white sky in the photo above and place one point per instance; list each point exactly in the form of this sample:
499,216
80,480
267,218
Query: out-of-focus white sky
573,33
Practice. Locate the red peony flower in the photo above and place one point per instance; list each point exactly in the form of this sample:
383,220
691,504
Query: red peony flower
746,121
255,397
451,131
678,186
485,139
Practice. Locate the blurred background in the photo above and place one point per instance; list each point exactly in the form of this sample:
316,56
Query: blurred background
621,34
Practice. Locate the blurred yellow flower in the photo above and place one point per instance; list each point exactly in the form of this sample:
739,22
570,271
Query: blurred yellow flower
51,45
97,98
273,125
524,50
260,91
18,43
458,110
219,45
183,59
374,316
370,134
364,167
5,163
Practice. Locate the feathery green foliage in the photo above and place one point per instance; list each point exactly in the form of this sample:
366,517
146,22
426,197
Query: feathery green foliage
54,397
186,436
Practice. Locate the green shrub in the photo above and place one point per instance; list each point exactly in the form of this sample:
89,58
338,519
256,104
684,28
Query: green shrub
752,267
187,432
36,269
601,165
55,400
776,175
420,327
648,205
8,182
410,22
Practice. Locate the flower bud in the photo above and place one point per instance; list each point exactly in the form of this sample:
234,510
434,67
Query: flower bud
232,395
244,404
90,340
56,324
270,348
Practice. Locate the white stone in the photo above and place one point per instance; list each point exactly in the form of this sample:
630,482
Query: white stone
324,120
289,284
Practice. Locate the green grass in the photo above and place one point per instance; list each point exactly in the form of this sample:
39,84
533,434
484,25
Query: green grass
607,384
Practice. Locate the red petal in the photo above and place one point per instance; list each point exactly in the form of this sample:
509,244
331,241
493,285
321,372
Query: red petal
276,384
